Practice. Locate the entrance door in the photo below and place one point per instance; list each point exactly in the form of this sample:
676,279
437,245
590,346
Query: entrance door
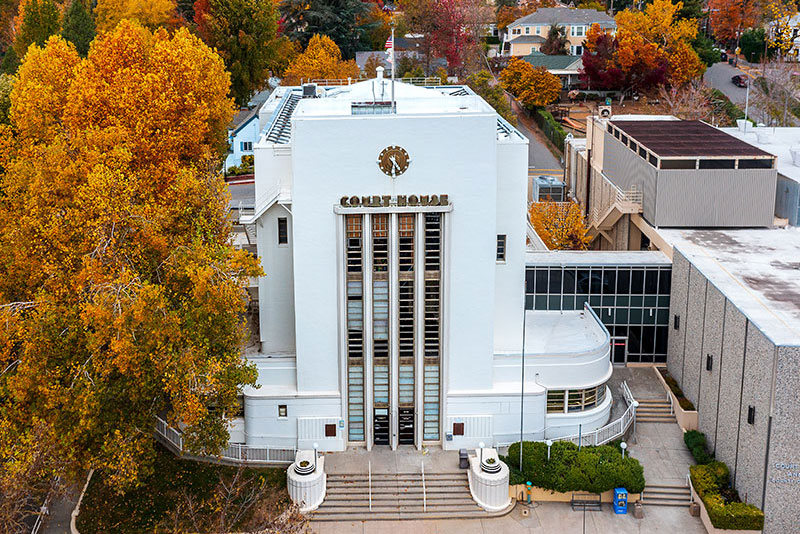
405,429
381,426
619,350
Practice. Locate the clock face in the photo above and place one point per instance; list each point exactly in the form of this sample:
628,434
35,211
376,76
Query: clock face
393,161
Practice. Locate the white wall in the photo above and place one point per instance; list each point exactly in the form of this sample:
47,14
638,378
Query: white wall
275,288
453,155
511,209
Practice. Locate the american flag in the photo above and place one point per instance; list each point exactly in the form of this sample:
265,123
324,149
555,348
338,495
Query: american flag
389,43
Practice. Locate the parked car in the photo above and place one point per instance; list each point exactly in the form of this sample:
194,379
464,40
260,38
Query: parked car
740,80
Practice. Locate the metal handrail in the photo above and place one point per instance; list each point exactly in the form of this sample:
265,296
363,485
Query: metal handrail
611,431
234,452
424,491
370,485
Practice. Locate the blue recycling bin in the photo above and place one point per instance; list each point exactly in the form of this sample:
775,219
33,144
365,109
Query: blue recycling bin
620,501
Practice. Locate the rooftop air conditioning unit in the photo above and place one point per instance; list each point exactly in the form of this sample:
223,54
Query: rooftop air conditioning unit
604,112
310,90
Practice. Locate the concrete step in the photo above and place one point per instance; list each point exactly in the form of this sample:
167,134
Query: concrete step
341,508
663,502
653,409
353,488
430,514
652,401
654,419
431,494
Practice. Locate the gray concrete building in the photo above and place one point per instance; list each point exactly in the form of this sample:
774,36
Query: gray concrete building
734,348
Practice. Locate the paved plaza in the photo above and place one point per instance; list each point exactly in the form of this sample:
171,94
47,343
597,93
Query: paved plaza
545,518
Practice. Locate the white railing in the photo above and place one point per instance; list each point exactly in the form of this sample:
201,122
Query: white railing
612,196
334,82
44,510
611,431
424,491
234,452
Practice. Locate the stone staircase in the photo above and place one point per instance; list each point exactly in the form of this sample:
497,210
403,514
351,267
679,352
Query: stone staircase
654,411
666,495
399,496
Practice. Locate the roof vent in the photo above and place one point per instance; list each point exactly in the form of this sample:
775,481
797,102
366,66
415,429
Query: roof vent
604,112
764,137
310,90
795,152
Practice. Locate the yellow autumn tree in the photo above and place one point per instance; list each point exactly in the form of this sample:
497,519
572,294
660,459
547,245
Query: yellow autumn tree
656,35
321,60
532,86
560,225
120,295
148,13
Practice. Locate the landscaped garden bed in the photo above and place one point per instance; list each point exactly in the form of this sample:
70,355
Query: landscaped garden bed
685,412
185,496
721,507
590,469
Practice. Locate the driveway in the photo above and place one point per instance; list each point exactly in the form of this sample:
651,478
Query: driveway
539,155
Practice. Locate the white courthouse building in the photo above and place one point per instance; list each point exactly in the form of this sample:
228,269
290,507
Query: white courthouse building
393,238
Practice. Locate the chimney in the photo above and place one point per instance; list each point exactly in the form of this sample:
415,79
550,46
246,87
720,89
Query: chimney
379,73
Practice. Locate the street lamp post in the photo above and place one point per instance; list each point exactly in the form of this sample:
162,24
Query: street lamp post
549,444
623,446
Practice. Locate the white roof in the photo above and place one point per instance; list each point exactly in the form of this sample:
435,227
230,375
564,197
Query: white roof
776,141
595,257
758,270
549,333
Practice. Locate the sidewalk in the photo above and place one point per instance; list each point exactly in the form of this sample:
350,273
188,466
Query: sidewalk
544,518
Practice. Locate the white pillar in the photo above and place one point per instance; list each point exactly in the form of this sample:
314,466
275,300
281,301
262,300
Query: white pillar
394,357
419,316
369,409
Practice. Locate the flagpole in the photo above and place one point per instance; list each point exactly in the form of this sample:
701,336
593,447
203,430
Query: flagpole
393,67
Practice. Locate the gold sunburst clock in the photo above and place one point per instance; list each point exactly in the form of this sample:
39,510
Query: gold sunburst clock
393,161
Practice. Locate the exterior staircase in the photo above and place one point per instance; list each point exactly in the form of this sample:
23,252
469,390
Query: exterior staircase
654,411
399,496
611,204
666,495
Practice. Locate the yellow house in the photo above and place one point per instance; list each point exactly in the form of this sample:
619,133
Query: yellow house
527,34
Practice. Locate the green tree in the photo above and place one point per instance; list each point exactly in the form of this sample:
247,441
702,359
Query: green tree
344,21
752,44
10,62
705,50
244,32
39,21
691,9
78,26
557,42
6,85
486,87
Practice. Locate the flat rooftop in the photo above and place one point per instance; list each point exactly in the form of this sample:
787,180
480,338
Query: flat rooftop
776,141
595,257
757,270
556,333
671,138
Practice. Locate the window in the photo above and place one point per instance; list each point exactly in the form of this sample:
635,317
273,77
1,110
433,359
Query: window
458,429
282,410
538,30
283,231
246,146
330,431
501,247
516,31
527,30
555,401
578,31
239,406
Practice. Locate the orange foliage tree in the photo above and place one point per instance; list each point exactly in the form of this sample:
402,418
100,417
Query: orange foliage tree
150,13
729,18
532,86
121,297
321,60
560,225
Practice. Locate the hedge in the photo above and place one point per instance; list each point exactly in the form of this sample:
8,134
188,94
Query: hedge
696,441
685,403
592,469
711,481
551,128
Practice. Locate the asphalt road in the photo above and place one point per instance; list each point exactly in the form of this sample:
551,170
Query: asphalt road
719,77
539,156
244,193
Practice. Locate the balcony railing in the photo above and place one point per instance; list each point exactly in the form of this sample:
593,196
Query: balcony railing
234,452
612,197
611,431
